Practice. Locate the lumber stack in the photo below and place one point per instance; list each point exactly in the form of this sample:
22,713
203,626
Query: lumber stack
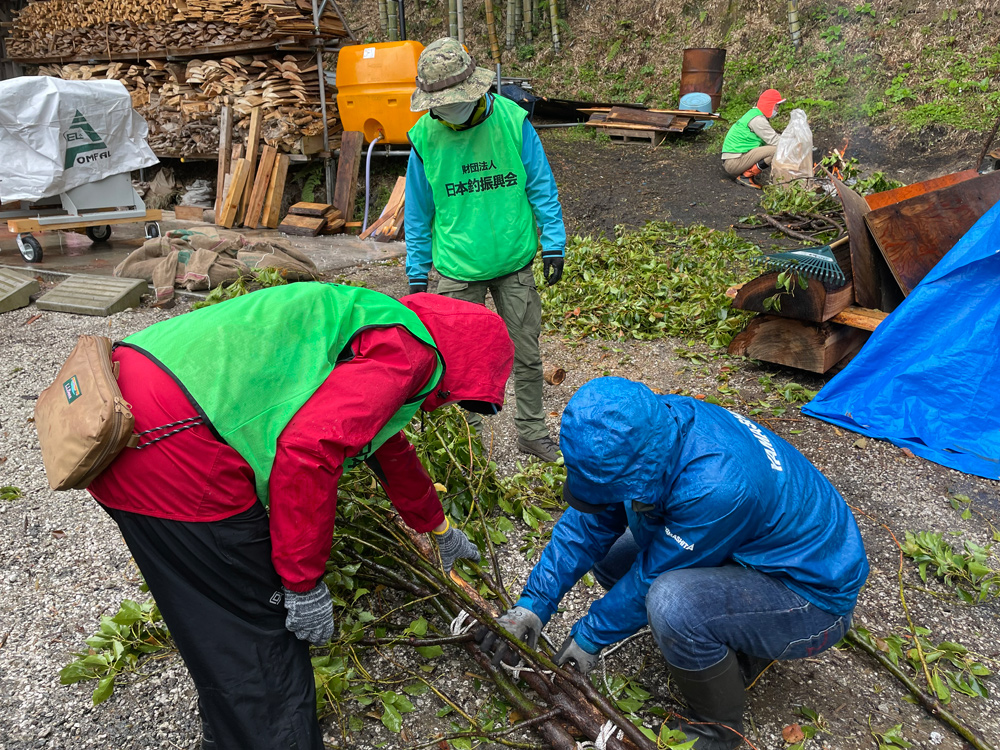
104,29
182,101
647,125
389,225
312,218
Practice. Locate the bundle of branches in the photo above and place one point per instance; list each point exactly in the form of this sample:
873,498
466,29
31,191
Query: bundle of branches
374,551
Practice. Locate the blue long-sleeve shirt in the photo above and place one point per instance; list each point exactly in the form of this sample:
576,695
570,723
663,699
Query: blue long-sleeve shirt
540,187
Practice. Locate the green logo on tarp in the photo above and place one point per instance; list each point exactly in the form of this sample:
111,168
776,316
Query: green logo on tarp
81,141
72,389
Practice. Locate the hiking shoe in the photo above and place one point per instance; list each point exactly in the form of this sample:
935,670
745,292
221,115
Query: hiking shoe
748,181
544,448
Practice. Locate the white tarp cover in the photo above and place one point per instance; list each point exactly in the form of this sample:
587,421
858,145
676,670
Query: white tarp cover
56,135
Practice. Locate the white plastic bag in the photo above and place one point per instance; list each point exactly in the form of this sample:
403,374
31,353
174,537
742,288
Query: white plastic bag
793,159
56,135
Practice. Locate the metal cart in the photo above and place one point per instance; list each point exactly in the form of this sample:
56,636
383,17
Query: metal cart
93,207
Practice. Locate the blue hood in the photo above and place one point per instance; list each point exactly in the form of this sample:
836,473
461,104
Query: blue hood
620,443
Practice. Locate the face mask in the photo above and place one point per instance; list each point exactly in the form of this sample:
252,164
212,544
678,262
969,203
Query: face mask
456,114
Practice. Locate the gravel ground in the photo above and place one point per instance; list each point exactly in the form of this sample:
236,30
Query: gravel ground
64,564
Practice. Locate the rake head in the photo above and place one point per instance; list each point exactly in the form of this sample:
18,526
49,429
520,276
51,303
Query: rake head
816,262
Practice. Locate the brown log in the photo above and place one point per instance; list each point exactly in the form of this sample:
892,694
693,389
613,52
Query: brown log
554,375
817,302
815,347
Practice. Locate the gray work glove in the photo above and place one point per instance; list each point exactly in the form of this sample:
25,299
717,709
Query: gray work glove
572,651
310,614
521,623
453,544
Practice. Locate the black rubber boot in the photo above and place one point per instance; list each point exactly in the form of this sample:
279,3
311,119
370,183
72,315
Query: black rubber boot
715,696
751,667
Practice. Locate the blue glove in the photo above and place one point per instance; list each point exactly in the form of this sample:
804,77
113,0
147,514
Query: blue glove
310,614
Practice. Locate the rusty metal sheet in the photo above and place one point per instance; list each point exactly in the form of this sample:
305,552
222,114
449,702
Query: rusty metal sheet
879,200
915,234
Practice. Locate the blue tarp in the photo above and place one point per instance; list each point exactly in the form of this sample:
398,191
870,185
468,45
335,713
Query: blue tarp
929,377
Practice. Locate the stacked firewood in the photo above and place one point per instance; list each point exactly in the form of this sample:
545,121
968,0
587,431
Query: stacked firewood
181,101
105,28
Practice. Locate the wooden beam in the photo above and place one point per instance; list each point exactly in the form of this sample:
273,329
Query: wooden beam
815,347
816,303
251,153
259,192
310,209
305,225
351,142
655,120
275,192
232,203
391,210
860,317
225,154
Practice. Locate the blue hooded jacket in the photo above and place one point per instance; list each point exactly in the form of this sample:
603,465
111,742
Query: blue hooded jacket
711,486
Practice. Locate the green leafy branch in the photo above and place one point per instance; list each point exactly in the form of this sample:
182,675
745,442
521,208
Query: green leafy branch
965,571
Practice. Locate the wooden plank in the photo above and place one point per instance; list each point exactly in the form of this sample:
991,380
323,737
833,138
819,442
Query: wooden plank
189,213
334,227
619,126
304,225
351,142
815,347
874,285
251,152
225,154
915,234
259,192
693,113
392,210
880,200
678,125
654,120
232,203
860,317
817,302
275,192
32,225
311,209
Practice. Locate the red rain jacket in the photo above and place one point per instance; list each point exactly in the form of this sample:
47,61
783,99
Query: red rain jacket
190,476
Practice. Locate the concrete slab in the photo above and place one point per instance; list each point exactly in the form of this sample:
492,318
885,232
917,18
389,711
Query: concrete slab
71,252
15,290
93,295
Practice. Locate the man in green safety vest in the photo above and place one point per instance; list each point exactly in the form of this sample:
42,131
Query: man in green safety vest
750,144
477,187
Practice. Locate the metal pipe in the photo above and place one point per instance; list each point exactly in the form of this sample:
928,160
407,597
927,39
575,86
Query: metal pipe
327,161
368,181
402,21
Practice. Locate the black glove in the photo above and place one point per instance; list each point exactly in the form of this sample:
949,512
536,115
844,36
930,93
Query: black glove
453,544
571,651
310,614
552,267
418,286
521,623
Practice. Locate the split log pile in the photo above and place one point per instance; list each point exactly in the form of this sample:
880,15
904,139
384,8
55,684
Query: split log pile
896,237
181,101
103,29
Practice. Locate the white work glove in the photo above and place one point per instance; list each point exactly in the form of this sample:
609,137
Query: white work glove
454,544
310,614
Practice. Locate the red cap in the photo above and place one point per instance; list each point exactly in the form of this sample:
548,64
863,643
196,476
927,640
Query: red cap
768,102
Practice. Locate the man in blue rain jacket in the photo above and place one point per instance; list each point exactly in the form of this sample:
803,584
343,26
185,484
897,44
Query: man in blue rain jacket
716,532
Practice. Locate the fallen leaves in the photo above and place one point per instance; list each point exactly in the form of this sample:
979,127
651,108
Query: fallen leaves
792,734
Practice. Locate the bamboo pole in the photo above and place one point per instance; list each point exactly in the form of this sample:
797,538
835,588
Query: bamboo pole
554,17
383,16
518,17
461,21
793,23
392,23
491,28
453,18
509,42
527,18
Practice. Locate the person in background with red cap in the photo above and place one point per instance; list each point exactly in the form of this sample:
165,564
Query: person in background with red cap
249,412
750,144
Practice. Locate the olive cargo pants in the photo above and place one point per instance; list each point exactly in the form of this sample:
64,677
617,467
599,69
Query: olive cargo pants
517,302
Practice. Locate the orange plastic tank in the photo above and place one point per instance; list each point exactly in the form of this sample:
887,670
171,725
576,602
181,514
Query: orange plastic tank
374,84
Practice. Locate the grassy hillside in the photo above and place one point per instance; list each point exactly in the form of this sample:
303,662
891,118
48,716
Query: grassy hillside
899,69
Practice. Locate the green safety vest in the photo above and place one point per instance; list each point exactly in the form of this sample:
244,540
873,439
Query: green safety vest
483,224
250,363
740,137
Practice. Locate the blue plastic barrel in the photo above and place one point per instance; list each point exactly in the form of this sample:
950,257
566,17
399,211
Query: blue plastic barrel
700,103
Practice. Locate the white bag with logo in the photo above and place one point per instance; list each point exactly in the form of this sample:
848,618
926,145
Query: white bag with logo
56,135
794,157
